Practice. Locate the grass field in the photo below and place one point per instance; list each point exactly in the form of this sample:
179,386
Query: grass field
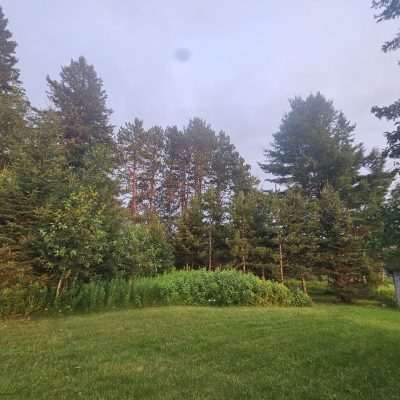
323,352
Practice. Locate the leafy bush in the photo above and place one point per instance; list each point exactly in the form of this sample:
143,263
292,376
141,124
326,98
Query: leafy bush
23,300
222,288
142,250
384,293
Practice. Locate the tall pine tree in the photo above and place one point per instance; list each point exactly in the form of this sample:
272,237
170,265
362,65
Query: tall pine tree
313,147
80,102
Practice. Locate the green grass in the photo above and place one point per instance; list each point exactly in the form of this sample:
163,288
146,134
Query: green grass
323,352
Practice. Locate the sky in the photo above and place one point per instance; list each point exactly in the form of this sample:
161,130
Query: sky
233,63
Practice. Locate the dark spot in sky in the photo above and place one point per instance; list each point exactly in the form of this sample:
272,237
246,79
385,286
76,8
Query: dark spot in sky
182,55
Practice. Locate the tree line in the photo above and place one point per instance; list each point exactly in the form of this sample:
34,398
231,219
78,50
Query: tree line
83,200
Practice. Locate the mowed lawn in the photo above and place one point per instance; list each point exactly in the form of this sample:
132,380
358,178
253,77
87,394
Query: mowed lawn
323,352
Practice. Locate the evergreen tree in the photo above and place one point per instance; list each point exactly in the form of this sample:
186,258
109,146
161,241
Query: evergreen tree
201,141
241,215
389,240
80,102
296,221
35,180
13,104
367,201
191,238
131,143
314,146
341,250
215,224
175,173
263,253
388,10
9,74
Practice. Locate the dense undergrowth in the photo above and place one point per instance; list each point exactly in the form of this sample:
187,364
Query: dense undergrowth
200,287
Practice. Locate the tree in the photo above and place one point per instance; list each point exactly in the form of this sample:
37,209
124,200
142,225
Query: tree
131,140
229,172
14,106
9,74
191,239
342,255
389,9
389,239
263,251
55,223
36,179
367,200
215,223
296,222
241,215
175,173
201,141
80,102
142,250
314,146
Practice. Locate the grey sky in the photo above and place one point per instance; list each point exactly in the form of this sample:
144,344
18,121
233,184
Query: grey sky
247,59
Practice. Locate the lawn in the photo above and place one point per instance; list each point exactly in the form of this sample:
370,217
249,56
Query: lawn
322,352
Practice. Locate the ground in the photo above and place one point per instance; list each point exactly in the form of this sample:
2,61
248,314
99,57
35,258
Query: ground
321,352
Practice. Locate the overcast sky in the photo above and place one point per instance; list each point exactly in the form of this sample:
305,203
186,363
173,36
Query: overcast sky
246,59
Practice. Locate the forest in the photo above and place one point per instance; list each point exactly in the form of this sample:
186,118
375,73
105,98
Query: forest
83,201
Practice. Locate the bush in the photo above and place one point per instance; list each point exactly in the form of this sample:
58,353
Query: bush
385,294
142,250
222,288
23,300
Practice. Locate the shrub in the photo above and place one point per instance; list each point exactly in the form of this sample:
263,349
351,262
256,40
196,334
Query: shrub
142,250
23,300
221,288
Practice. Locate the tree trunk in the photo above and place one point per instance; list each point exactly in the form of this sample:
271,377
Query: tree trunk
304,285
396,280
244,263
281,261
61,283
58,291
209,249
133,207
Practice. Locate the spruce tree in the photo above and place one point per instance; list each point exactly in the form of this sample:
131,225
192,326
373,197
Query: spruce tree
263,256
389,239
296,223
191,237
35,180
342,255
13,105
216,227
9,73
241,214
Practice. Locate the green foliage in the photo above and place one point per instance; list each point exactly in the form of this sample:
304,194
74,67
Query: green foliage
142,250
220,288
9,74
74,236
384,293
314,146
297,225
23,299
342,255
190,239
388,10
80,103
